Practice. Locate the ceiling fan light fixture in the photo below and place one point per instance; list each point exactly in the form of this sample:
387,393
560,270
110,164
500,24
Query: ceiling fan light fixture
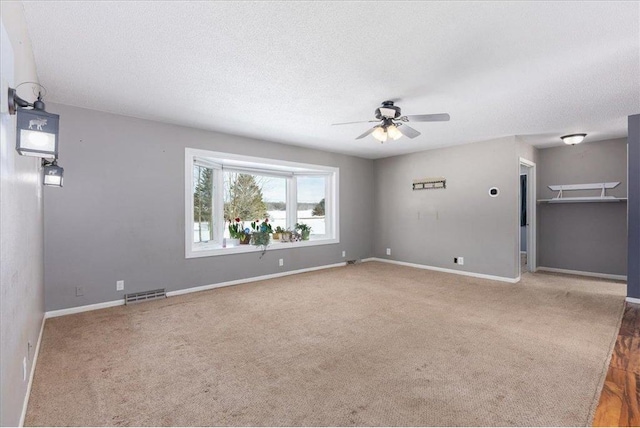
573,138
393,132
389,118
380,134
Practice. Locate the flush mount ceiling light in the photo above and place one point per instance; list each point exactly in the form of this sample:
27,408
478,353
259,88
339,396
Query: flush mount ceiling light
573,139
37,130
394,125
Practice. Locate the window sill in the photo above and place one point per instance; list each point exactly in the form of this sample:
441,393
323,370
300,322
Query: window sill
208,250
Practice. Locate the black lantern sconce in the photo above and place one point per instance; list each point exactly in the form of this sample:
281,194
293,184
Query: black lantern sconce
37,130
53,173
37,135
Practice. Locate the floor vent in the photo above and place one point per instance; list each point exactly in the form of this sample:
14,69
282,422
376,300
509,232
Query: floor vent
144,296
351,262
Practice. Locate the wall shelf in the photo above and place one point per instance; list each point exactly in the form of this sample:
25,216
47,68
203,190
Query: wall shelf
577,200
561,199
430,183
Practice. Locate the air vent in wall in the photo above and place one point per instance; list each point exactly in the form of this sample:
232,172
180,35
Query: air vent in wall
144,296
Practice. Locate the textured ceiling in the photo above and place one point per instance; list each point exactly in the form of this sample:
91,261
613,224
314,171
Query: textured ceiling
284,71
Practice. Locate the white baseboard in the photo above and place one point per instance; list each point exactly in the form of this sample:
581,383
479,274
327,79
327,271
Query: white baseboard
78,309
582,273
633,300
439,269
36,352
252,279
369,259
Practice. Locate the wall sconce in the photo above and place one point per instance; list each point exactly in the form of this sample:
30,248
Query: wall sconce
53,173
37,130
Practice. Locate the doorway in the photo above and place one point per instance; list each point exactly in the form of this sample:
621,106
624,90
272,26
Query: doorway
527,217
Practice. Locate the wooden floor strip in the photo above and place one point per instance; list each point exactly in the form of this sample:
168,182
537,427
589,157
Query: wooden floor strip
631,321
611,399
620,353
630,414
619,404
633,364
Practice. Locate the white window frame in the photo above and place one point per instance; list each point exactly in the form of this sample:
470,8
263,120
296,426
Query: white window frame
259,166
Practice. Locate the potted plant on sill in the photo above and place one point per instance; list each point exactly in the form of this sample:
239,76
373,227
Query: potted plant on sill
261,235
304,231
235,231
277,233
245,236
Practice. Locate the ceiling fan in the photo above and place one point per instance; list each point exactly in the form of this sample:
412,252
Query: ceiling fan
393,125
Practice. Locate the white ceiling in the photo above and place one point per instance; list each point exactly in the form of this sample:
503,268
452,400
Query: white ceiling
285,71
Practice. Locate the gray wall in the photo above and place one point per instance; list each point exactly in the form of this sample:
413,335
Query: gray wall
633,277
120,214
21,227
431,227
589,237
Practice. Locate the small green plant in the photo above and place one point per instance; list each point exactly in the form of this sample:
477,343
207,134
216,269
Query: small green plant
260,239
277,233
304,230
245,236
257,227
261,235
235,228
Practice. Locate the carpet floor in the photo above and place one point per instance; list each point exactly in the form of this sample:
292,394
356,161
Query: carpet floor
370,344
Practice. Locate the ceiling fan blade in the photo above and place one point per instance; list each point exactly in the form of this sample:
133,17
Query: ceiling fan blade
367,133
441,117
408,131
349,123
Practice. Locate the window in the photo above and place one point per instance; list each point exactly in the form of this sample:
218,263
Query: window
312,194
252,197
202,204
223,187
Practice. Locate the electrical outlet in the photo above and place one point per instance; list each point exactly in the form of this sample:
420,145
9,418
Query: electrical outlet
79,291
344,254
120,285
460,260
388,251
281,262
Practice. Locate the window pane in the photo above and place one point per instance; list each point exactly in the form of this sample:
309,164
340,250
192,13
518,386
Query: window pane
311,194
202,204
254,197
